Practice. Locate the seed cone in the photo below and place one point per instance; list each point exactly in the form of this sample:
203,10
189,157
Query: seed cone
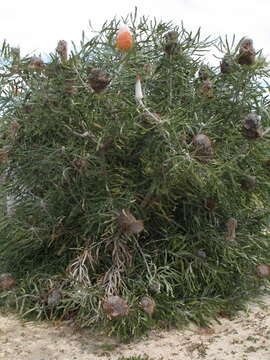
148,304
247,53
62,50
249,183
13,129
225,66
155,286
207,88
129,224
4,158
210,204
54,297
203,73
252,126
263,271
171,46
115,307
203,148
98,80
7,282
36,63
231,226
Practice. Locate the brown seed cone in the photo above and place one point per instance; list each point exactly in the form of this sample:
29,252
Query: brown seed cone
98,80
148,304
13,129
27,108
62,50
7,282
106,144
203,148
147,68
252,134
203,73
129,224
252,126
36,63
207,88
80,164
225,66
155,286
249,183
231,226
247,53
54,297
171,46
263,271
4,158
114,306
210,204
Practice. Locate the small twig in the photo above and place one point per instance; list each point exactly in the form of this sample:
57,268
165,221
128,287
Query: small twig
83,135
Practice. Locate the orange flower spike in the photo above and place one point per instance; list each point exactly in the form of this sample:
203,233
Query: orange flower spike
124,38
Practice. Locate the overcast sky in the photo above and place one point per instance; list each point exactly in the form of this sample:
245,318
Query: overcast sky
38,25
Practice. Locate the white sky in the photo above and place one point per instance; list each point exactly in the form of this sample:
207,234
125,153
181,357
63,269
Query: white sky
38,25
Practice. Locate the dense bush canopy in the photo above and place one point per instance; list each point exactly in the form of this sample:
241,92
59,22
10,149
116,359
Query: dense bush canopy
135,209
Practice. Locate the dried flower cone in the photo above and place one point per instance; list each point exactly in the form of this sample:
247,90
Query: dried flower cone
7,282
249,183
129,224
115,307
203,148
148,68
36,63
4,159
207,88
263,271
148,305
225,65
210,204
203,73
252,126
62,50
124,39
54,297
80,164
98,80
247,53
231,226
171,43
14,127
155,287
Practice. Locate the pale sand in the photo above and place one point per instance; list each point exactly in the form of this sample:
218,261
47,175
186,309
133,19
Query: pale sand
246,337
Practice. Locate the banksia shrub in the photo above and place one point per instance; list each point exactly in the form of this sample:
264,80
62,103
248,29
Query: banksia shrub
136,178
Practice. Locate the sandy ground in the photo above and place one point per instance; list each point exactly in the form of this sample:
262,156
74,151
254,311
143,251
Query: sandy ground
246,337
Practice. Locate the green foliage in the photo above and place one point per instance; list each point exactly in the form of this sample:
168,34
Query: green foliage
74,159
